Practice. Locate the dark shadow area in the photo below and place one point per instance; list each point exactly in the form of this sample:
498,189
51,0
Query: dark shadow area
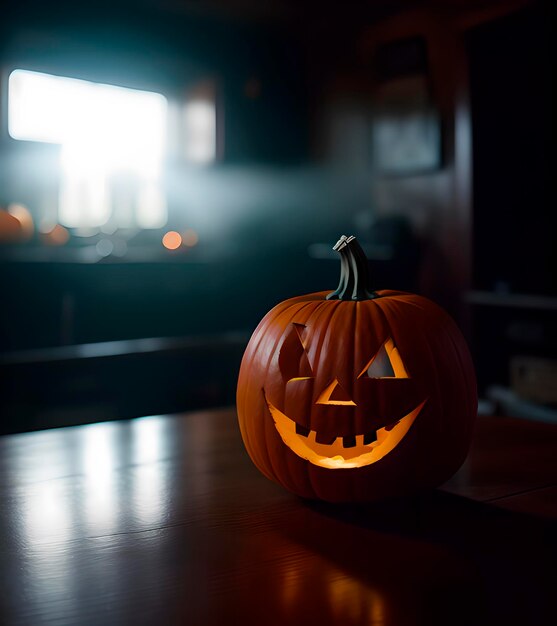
423,131
452,560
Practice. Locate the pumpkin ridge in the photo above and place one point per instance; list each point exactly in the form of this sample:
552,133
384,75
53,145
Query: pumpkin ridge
260,333
247,364
270,317
435,372
291,478
324,311
335,311
353,345
469,379
318,314
287,311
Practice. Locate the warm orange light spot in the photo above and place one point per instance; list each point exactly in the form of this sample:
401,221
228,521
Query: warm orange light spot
22,214
57,236
355,603
190,238
172,240
10,227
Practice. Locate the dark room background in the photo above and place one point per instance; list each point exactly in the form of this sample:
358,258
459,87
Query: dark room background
424,128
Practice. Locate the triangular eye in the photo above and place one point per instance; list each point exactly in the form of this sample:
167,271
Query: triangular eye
381,366
387,363
293,360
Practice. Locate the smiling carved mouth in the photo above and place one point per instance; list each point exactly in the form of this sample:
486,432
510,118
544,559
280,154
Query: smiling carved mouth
343,452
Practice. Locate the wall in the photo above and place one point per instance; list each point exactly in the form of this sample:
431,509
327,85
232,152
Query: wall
437,202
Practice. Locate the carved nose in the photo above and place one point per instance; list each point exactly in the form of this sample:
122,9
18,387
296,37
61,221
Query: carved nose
335,394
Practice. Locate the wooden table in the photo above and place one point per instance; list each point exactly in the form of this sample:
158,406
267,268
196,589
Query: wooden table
164,520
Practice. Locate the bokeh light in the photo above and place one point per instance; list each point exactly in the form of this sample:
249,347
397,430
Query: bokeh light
190,238
22,214
10,227
57,236
104,247
172,240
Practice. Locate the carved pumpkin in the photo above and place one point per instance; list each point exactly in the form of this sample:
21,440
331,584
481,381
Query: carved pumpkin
356,395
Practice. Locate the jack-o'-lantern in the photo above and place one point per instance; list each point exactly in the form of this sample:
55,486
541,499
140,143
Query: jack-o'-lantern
357,395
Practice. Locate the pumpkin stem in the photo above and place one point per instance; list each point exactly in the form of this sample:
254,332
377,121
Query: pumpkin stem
354,276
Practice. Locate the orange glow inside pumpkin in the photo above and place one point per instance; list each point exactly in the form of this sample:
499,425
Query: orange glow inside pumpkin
385,363
335,455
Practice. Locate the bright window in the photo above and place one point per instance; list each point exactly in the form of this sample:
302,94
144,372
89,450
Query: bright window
113,143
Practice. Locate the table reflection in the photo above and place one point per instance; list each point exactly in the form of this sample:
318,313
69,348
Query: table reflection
149,475
99,507
344,600
165,520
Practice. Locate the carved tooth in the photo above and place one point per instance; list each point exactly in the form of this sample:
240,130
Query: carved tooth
302,430
327,440
370,437
349,442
